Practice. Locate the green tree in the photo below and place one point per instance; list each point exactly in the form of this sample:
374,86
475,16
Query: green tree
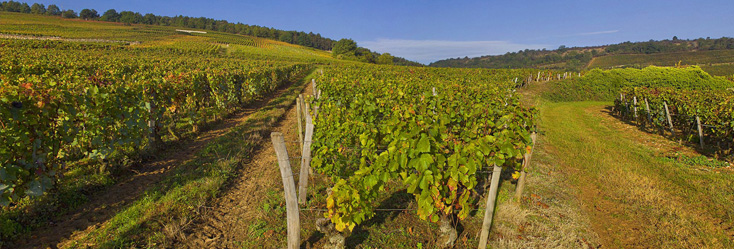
68,14
286,37
24,8
129,17
344,47
11,6
385,58
110,15
38,8
88,14
150,19
303,40
53,10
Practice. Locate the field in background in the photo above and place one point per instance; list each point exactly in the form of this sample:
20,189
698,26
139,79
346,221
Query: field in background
715,62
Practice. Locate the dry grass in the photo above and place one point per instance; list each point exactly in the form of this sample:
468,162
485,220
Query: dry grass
633,198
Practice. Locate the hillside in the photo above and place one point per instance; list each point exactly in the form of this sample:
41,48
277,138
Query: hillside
713,55
150,36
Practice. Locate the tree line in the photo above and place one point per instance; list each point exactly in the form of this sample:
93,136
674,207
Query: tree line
577,58
347,49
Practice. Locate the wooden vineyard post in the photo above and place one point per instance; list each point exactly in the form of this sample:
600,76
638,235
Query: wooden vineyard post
626,107
700,130
634,105
300,125
151,123
649,116
304,107
621,100
523,171
293,219
538,79
489,212
667,115
305,162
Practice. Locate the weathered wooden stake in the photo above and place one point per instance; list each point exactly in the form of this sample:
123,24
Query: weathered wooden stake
305,162
489,212
303,106
153,136
523,172
300,123
289,188
434,91
538,79
667,115
307,113
700,130
634,101
649,115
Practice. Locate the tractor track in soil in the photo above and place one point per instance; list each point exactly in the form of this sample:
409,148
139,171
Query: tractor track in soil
227,219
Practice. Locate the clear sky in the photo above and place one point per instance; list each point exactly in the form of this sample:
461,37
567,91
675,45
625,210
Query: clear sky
427,31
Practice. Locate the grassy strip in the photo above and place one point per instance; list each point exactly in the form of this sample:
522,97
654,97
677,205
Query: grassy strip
175,199
634,197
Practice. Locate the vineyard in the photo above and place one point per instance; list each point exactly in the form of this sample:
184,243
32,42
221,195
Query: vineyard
116,135
380,128
377,125
708,60
692,115
604,85
101,103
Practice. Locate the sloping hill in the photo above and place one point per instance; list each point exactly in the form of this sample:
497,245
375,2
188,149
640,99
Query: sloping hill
715,62
715,56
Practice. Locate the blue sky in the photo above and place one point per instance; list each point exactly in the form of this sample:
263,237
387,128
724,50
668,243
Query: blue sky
427,31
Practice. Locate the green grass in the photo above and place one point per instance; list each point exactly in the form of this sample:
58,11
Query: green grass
671,206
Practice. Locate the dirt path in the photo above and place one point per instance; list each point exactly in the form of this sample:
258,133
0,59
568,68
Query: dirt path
102,206
229,218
